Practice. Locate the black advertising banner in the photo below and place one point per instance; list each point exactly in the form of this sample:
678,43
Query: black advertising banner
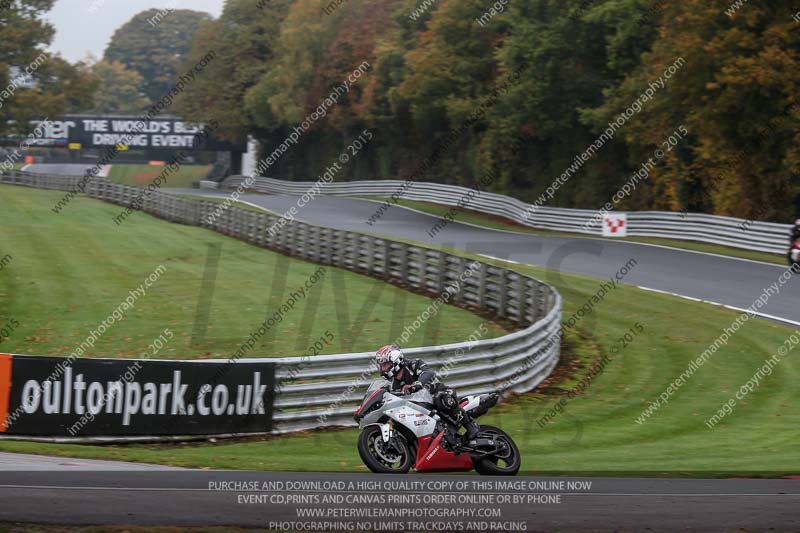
102,132
105,397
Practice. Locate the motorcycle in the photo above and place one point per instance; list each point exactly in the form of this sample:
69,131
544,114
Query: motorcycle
794,253
401,431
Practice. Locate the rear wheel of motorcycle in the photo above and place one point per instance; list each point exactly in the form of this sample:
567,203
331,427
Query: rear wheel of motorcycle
505,464
393,457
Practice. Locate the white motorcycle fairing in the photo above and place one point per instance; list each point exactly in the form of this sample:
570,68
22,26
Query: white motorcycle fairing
403,411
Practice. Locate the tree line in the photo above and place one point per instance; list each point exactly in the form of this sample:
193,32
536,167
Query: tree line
727,77
599,87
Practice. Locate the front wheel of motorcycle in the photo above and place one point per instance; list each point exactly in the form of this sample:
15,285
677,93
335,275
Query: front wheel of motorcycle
505,463
393,457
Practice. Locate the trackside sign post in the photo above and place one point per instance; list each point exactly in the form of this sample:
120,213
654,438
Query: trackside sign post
48,396
615,225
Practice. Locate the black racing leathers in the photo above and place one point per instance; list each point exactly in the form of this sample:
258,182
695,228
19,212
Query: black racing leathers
417,371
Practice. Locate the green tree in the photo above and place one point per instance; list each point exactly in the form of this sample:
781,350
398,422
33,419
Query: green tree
572,52
313,55
37,84
244,38
451,73
57,87
446,88
120,89
156,44
737,96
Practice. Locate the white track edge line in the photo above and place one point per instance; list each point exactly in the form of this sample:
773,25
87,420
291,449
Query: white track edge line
512,232
568,236
691,298
734,308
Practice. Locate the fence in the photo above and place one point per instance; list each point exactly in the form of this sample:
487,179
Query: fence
739,233
311,389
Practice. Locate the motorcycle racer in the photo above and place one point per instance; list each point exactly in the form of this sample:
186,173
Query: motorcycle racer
413,376
794,245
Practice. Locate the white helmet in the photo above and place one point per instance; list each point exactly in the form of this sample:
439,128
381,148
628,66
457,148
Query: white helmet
390,360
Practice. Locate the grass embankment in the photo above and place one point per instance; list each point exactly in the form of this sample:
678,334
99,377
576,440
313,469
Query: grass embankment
597,432
69,271
496,222
143,175
226,200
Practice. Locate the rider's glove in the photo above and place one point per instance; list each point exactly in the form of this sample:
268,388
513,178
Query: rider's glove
414,387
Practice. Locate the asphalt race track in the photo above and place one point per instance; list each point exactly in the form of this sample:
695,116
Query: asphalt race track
717,279
194,498
74,492
58,169
38,463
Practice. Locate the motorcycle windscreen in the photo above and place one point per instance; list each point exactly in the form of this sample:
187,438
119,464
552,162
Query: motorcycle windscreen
375,385
421,396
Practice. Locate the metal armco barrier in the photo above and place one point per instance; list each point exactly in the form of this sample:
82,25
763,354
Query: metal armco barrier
323,390
739,233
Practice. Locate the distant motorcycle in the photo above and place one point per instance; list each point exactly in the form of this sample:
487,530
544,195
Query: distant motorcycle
404,431
794,253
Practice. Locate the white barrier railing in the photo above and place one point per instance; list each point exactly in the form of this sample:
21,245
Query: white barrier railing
310,389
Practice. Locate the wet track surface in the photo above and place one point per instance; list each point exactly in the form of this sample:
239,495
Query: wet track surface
36,463
709,277
718,279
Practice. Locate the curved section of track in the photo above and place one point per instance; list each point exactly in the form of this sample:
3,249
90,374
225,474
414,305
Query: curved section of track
718,279
724,280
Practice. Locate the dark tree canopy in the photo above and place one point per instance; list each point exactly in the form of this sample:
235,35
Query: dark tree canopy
121,89
156,44
34,83
244,39
581,64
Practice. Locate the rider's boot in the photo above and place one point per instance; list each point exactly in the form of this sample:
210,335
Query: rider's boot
471,426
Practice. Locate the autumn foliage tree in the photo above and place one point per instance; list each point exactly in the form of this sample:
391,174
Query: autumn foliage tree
244,38
121,89
580,64
737,96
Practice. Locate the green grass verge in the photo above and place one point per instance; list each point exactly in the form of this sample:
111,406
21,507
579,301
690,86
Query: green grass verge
142,175
222,200
596,433
69,271
496,222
